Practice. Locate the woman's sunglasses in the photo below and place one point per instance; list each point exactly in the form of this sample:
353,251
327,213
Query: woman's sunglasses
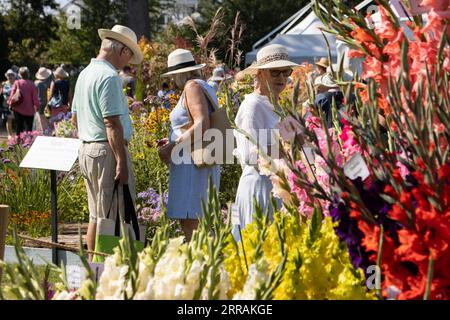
276,73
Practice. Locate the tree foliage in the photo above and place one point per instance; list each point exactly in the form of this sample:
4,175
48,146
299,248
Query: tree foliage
259,16
29,27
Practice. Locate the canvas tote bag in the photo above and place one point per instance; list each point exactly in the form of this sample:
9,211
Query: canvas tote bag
201,153
17,99
109,230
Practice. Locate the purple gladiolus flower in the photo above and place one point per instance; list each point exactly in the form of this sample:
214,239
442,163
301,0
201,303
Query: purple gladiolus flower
5,161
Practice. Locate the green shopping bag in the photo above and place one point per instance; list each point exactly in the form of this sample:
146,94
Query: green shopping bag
109,231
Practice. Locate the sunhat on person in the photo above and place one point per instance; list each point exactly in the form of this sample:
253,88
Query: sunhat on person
127,37
273,56
43,73
219,75
323,62
180,61
61,73
10,72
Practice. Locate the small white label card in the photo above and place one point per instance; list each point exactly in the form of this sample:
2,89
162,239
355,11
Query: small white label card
75,276
235,215
356,167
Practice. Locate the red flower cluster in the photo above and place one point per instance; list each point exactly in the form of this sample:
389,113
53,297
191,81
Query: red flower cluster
425,234
384,60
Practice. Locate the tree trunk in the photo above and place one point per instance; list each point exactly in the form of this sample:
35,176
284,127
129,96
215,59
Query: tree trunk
138,17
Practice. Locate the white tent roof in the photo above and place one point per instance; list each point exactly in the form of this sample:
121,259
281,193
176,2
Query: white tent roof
309,25
301,47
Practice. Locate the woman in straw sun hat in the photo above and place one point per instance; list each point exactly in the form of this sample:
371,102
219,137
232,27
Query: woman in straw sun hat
42,82
257,117
60,94
100,111
188,183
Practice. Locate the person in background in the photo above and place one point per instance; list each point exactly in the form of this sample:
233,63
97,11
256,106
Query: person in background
217,78
24,113
101,115
43,80
164,95
5,91
257,117
60,93
188,184
129,83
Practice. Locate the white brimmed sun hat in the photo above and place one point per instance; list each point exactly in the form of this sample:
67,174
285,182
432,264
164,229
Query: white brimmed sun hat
127,37
180,61
272,56
43,73
218,74
10,72
61,72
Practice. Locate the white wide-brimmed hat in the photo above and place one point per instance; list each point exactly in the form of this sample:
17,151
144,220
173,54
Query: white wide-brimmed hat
127,37
180,61
61,72
43,73
10,71
272,56
219,75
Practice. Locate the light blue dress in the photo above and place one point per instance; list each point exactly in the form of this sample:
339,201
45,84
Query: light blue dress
188,185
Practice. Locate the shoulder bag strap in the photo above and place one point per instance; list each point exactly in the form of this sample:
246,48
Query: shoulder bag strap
211,103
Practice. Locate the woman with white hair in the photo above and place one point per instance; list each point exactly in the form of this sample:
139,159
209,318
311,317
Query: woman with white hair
188,184
257,117
29,105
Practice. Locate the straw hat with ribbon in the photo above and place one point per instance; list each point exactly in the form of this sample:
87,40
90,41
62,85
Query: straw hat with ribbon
272,56
43,73
127,37
323,62
180,61
61,73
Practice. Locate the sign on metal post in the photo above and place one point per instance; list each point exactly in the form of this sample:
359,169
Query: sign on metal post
54,154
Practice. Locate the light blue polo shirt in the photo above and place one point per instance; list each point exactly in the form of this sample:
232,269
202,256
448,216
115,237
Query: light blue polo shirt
99,94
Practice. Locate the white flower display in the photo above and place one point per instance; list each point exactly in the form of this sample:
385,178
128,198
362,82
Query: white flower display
113,283
257,275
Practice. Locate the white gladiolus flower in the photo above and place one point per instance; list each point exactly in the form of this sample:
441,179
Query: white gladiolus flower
257,274
113,280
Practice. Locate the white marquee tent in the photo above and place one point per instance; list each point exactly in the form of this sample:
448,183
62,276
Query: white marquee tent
302,36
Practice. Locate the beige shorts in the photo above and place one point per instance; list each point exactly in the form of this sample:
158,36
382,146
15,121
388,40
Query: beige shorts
98,167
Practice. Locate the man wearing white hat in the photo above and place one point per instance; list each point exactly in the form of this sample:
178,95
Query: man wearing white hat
101,113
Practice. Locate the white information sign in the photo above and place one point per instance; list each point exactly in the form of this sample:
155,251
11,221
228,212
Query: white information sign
75,276
52,153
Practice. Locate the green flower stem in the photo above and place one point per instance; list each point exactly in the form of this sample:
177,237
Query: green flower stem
426,296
